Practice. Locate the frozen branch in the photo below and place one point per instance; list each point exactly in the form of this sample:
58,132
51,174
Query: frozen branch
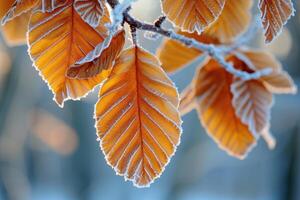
121,14
117,13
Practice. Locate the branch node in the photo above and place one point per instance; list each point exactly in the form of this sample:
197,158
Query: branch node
158,23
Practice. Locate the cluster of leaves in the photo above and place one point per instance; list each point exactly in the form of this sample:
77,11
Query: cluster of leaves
235,112
138,114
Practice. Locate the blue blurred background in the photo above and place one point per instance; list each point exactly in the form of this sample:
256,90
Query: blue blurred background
48,153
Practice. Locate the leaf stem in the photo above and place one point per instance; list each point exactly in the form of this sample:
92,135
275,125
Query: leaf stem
133,34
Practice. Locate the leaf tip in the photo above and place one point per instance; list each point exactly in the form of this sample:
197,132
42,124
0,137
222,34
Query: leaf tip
59,100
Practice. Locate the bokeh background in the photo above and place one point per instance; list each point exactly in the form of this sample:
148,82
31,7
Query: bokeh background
48,153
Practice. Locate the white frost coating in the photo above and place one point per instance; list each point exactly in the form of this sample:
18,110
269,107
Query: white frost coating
96,52
251,105
268,70
264,18
246,60
117,19
152,36
90,11
50,5
117,15
217,55
269,138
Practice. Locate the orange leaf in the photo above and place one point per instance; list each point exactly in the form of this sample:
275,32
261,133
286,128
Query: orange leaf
187,103
233,21
252,103
278,81
51,5
275,14
56,41
174,55
5,6
18,8
212,98
193,15
138,123
91,11
100,59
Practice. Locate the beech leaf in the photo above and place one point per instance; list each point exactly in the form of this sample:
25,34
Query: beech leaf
193,15
100,59
137,117
233,21
56,41
91,11
275,14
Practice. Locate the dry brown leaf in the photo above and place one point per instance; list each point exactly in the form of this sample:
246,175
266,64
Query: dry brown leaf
213,101
91,11
56,41
138,123
101,59
233,21
275,14
174,55
193,15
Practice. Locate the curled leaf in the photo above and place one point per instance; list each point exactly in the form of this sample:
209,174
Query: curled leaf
100,59
137,120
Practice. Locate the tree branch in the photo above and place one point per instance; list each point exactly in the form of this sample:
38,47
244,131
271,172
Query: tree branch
210,49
